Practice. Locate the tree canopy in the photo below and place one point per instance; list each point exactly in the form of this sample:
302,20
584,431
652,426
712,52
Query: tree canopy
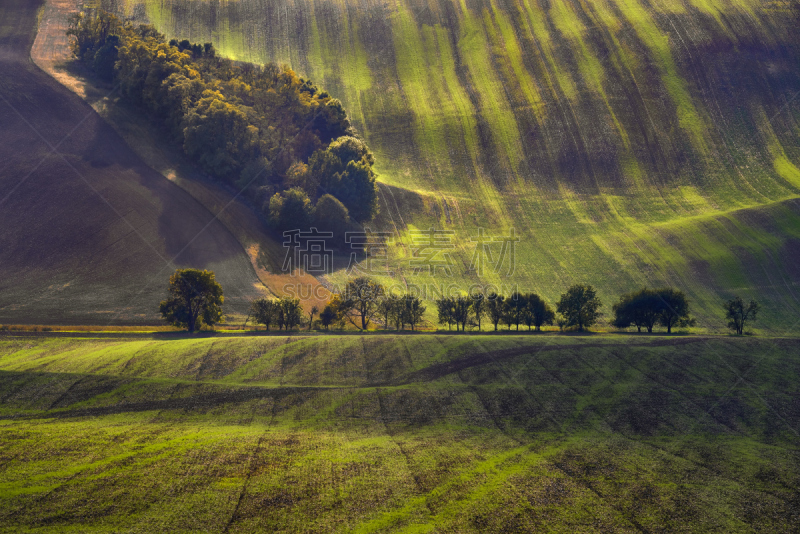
195,299
580,306
738,313
261,128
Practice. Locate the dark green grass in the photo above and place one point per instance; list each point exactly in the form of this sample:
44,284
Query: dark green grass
400,433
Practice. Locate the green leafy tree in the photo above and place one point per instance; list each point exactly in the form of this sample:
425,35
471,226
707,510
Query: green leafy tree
385,309
414,311
328,316
580,306
462,307
356,188
298,176
495,308
362,296
738,313
398,314
218,135
106,58
479,308
324,166
515,309
88,34
264,311
332,216
290,313
674,309
290,209
643,309
195,298
538,312
348,148
445,309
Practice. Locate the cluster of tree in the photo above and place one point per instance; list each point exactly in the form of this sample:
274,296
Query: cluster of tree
647,307
529,309
362,302
578,307
289,146
284,312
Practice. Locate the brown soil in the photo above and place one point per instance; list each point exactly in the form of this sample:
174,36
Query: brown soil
90,232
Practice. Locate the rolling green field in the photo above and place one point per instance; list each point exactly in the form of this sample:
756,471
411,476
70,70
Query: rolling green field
408,433
629,143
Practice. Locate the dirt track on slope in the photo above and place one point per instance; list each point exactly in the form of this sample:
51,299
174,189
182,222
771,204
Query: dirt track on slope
90,233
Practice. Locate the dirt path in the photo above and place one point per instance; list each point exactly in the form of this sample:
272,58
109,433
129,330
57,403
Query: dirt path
264,250
90,232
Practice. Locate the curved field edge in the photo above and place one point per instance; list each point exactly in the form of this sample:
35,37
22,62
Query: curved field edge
50,51
400,433
627,143
90,233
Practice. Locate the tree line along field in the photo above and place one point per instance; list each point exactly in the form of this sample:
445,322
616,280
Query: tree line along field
398,434
629,143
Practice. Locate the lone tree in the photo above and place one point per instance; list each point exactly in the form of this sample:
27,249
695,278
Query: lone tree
195,298
580,306
737,313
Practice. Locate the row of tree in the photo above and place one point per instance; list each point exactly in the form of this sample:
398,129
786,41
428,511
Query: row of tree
362,301
195,299
462,311
578,307
274,135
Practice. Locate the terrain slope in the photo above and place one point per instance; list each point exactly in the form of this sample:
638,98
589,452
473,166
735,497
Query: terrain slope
629,142
90,234
410,433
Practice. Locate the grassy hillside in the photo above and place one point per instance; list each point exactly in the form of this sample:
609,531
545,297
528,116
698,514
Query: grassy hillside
628,142
399,434
90,234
